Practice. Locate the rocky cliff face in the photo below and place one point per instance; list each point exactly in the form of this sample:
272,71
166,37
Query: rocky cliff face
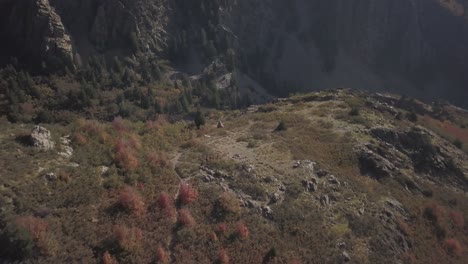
416,47
49,34
35,33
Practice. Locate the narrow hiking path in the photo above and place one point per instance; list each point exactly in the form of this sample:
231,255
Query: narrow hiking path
263,157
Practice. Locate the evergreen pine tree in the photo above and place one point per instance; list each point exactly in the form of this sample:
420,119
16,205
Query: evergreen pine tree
199,119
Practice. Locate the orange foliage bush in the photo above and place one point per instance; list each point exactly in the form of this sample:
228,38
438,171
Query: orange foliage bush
134,142
108,258
186,218
131,201
453,246
79,139
161,255
403,226
119,125
36,227
166,203
157,123
187,194
129,239
90,127
124,156
213,237
457,218
223,256
446,127
222,228
408,258
242,230
158,160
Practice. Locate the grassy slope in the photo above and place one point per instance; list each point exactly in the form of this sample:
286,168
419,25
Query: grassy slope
86,213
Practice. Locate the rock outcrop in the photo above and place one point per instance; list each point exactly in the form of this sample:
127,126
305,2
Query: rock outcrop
415,150
41,138
35,33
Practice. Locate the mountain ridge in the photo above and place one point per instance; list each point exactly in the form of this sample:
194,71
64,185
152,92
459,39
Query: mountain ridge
414,47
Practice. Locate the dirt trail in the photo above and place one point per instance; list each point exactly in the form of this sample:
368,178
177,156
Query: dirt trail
265,158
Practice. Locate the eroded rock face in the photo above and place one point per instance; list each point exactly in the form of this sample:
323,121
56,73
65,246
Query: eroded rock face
49,35
37,35
416,144
41,138
366,44
415,150
418,46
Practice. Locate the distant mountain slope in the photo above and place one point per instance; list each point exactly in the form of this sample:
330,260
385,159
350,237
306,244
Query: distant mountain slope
416,47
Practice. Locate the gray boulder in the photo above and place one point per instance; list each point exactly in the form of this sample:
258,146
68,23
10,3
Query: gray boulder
41,138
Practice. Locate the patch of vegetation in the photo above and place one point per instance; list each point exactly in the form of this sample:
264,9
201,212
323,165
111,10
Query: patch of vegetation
354,111
458,143
281,127
267,108
165,185
252,144
412,116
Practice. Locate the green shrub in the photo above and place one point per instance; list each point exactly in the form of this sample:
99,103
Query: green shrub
354,111
15,243
199,119
267,108
252,144
281,127
457,142
411,116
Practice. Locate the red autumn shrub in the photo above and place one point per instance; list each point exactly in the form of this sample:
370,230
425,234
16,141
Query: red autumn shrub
223,256
134,142
108,258
457,218
403,226
125,157
295,261
222,228
158,160
36,227
129,239
79,139
165,200
119,125
166,203
187,194
104,137
242,230
186,218
213,237
90,127
120,144
161,255
131,201
408,258
453,246
157,123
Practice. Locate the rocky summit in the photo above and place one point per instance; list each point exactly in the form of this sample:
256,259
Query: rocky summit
247,131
